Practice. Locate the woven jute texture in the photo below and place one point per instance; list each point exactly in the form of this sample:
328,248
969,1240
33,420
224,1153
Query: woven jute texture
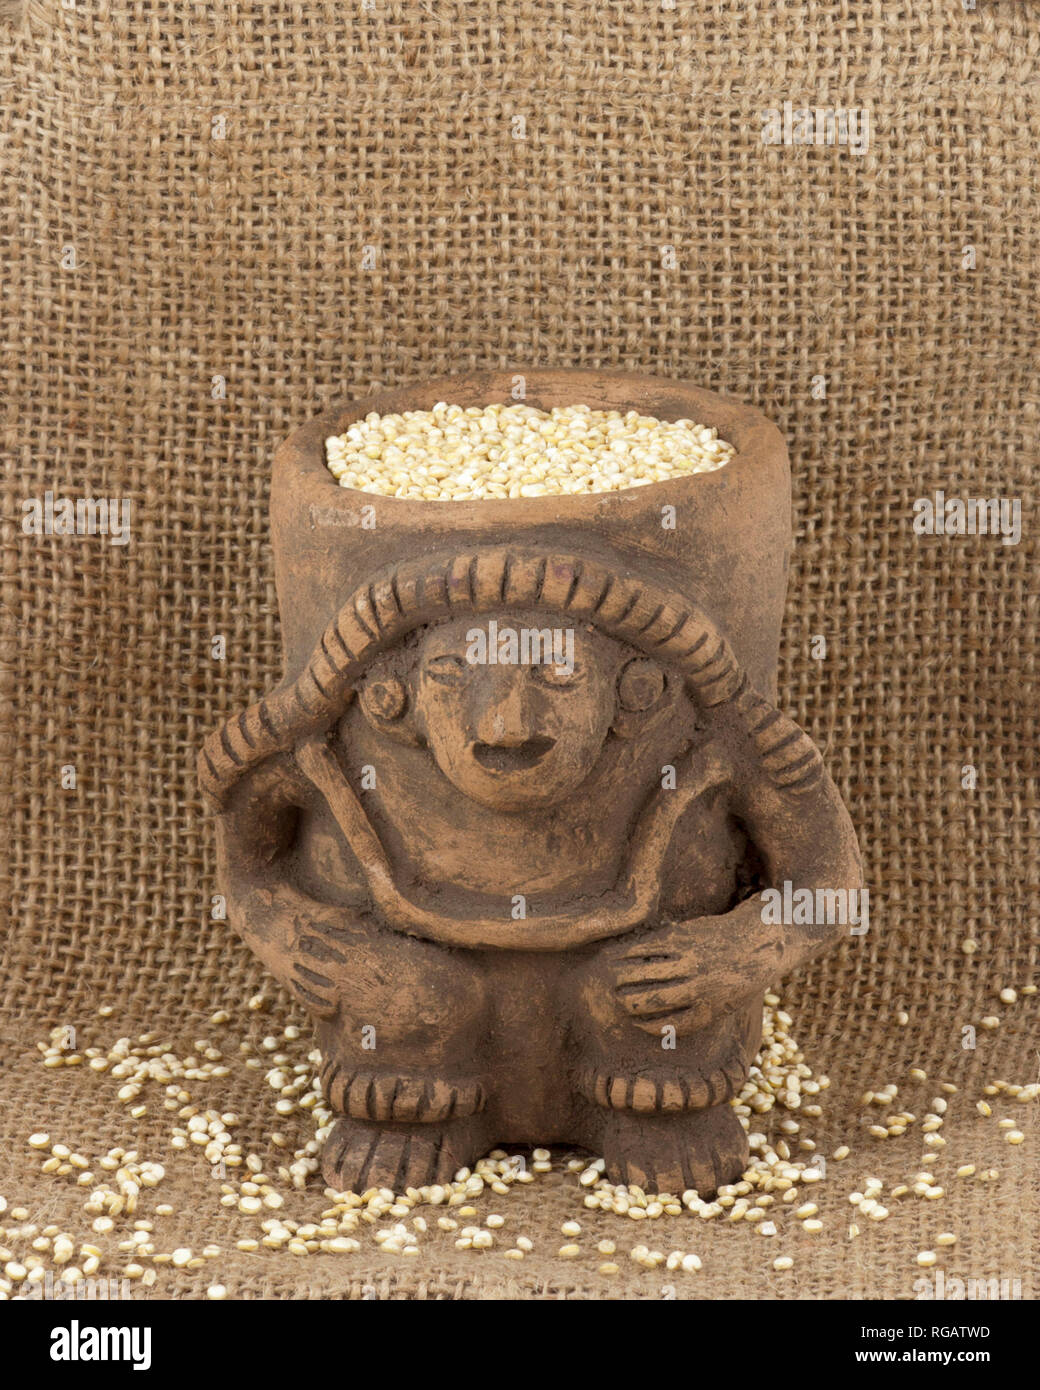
220,219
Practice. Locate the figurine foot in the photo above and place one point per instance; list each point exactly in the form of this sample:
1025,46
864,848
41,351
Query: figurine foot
704,1150
360,1154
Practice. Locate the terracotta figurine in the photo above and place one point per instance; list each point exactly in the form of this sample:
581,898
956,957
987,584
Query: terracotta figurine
503,833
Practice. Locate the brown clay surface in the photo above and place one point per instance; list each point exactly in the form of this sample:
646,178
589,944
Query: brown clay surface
519,897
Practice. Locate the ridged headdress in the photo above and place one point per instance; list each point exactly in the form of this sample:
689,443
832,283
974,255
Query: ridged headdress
659,622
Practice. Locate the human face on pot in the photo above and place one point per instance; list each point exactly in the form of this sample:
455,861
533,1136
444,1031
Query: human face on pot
505,723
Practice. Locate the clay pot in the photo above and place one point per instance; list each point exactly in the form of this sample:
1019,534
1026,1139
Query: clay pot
520,893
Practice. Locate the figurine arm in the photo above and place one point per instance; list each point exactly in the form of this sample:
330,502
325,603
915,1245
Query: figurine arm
303,942
686,973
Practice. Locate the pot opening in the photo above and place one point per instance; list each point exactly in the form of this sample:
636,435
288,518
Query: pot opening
505,451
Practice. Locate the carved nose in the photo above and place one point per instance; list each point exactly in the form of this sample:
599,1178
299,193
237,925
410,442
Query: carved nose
503,720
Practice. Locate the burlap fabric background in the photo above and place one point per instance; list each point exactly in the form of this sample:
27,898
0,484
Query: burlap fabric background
244,258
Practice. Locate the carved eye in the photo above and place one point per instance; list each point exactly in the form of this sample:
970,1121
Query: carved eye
448,669
384,699
640,684
557,677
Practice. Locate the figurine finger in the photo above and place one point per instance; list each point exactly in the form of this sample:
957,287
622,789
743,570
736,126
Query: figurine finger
683,1021
649,953
318,999
638,977
649,1003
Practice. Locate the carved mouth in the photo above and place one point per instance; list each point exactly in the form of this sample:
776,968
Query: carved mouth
518,757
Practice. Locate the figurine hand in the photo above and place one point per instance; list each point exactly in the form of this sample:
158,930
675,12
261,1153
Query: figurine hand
687,974
656,979
294,937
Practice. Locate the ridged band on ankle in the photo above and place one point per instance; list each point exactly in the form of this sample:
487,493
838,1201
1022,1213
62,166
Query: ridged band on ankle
394,1095
661,1092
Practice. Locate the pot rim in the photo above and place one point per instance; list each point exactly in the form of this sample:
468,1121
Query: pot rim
750,432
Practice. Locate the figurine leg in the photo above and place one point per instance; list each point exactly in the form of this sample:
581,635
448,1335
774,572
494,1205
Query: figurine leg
401,1067
659,1109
